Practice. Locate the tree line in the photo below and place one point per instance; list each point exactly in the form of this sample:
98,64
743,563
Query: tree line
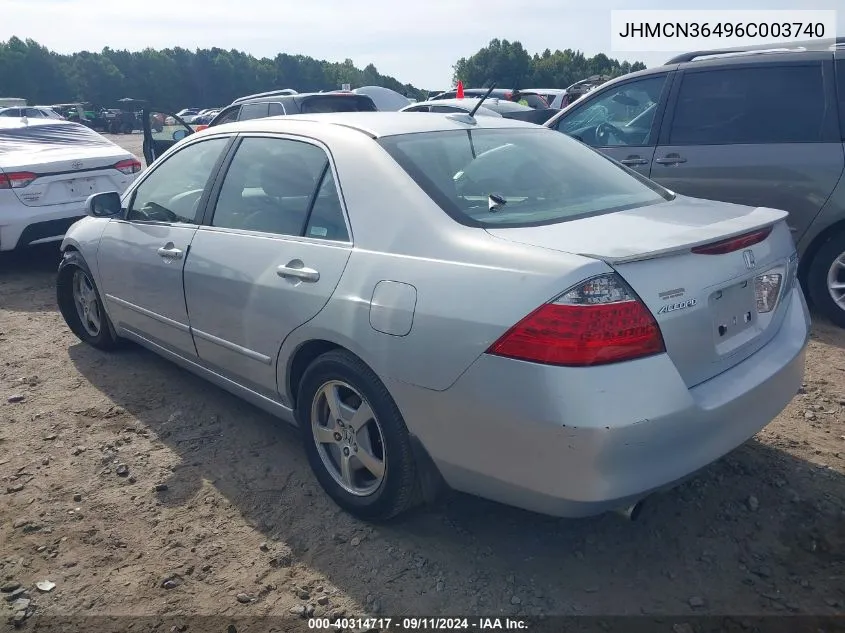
174,78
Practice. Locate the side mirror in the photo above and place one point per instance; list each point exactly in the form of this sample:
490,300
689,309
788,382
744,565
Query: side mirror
178,135
103,205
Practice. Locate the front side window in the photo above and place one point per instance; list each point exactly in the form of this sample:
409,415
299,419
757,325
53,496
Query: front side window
13,112
518,177
760,104
620,116
229,115
172,192
270,187
840,85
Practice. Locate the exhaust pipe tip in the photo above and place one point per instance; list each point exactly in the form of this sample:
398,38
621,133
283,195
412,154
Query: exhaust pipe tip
631,512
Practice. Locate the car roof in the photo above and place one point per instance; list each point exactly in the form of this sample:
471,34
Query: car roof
281,98
464,104
374,124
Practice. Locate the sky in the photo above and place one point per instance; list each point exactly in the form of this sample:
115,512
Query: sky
415,42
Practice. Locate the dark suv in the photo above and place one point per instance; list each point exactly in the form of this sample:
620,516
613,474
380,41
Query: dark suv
762,126
162,130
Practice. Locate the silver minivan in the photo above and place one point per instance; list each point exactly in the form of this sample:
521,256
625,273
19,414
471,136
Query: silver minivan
754,126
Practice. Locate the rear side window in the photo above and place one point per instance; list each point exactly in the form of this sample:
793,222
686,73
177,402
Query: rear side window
760,104
276,109
840,87
254,111
226,116
50,137
517,176
337,103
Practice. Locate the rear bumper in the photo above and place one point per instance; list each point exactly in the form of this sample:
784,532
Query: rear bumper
21,226
577,442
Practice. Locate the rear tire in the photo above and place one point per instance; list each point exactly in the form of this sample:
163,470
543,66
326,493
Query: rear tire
825,276
384,439
81,305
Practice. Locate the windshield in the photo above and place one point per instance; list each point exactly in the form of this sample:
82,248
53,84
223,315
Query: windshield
518,177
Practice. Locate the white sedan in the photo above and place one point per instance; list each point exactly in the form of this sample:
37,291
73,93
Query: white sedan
48,168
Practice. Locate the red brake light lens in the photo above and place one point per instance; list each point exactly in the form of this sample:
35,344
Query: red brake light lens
199,128
733,243
129,166
16,179
598,322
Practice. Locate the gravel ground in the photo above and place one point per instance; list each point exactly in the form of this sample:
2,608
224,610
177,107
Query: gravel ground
139,489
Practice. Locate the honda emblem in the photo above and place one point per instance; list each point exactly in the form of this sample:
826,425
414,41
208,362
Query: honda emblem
748,256
77,164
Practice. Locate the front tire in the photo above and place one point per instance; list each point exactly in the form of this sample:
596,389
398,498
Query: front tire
80,303
355,438
826,279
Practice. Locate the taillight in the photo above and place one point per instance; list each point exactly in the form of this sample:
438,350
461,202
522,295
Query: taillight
200,128
599,321
129,166
733,243
16,179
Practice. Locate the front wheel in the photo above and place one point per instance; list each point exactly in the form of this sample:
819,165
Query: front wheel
81,305
355,438
826,279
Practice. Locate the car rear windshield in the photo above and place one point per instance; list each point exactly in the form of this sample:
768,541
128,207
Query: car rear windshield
35,137
336,103
518,177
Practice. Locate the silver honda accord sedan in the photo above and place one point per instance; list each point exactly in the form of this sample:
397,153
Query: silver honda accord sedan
440,302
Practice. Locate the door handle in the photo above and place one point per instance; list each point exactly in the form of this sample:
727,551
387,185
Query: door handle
671,159
634,160
301,273
169,253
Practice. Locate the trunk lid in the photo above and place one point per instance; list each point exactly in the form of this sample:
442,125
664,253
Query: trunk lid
66,174
705,304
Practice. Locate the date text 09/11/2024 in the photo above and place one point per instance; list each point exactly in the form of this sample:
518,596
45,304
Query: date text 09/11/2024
412,624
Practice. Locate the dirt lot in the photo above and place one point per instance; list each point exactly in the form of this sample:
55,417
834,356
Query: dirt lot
139,489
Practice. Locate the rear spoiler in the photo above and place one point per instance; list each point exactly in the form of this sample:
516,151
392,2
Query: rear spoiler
532,116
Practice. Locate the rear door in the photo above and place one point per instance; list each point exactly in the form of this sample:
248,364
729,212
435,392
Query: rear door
272,251
334,102
621,120
759,134
162,130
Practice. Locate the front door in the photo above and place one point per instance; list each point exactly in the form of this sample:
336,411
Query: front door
141,255
162,130
270,258
759,135
621,120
